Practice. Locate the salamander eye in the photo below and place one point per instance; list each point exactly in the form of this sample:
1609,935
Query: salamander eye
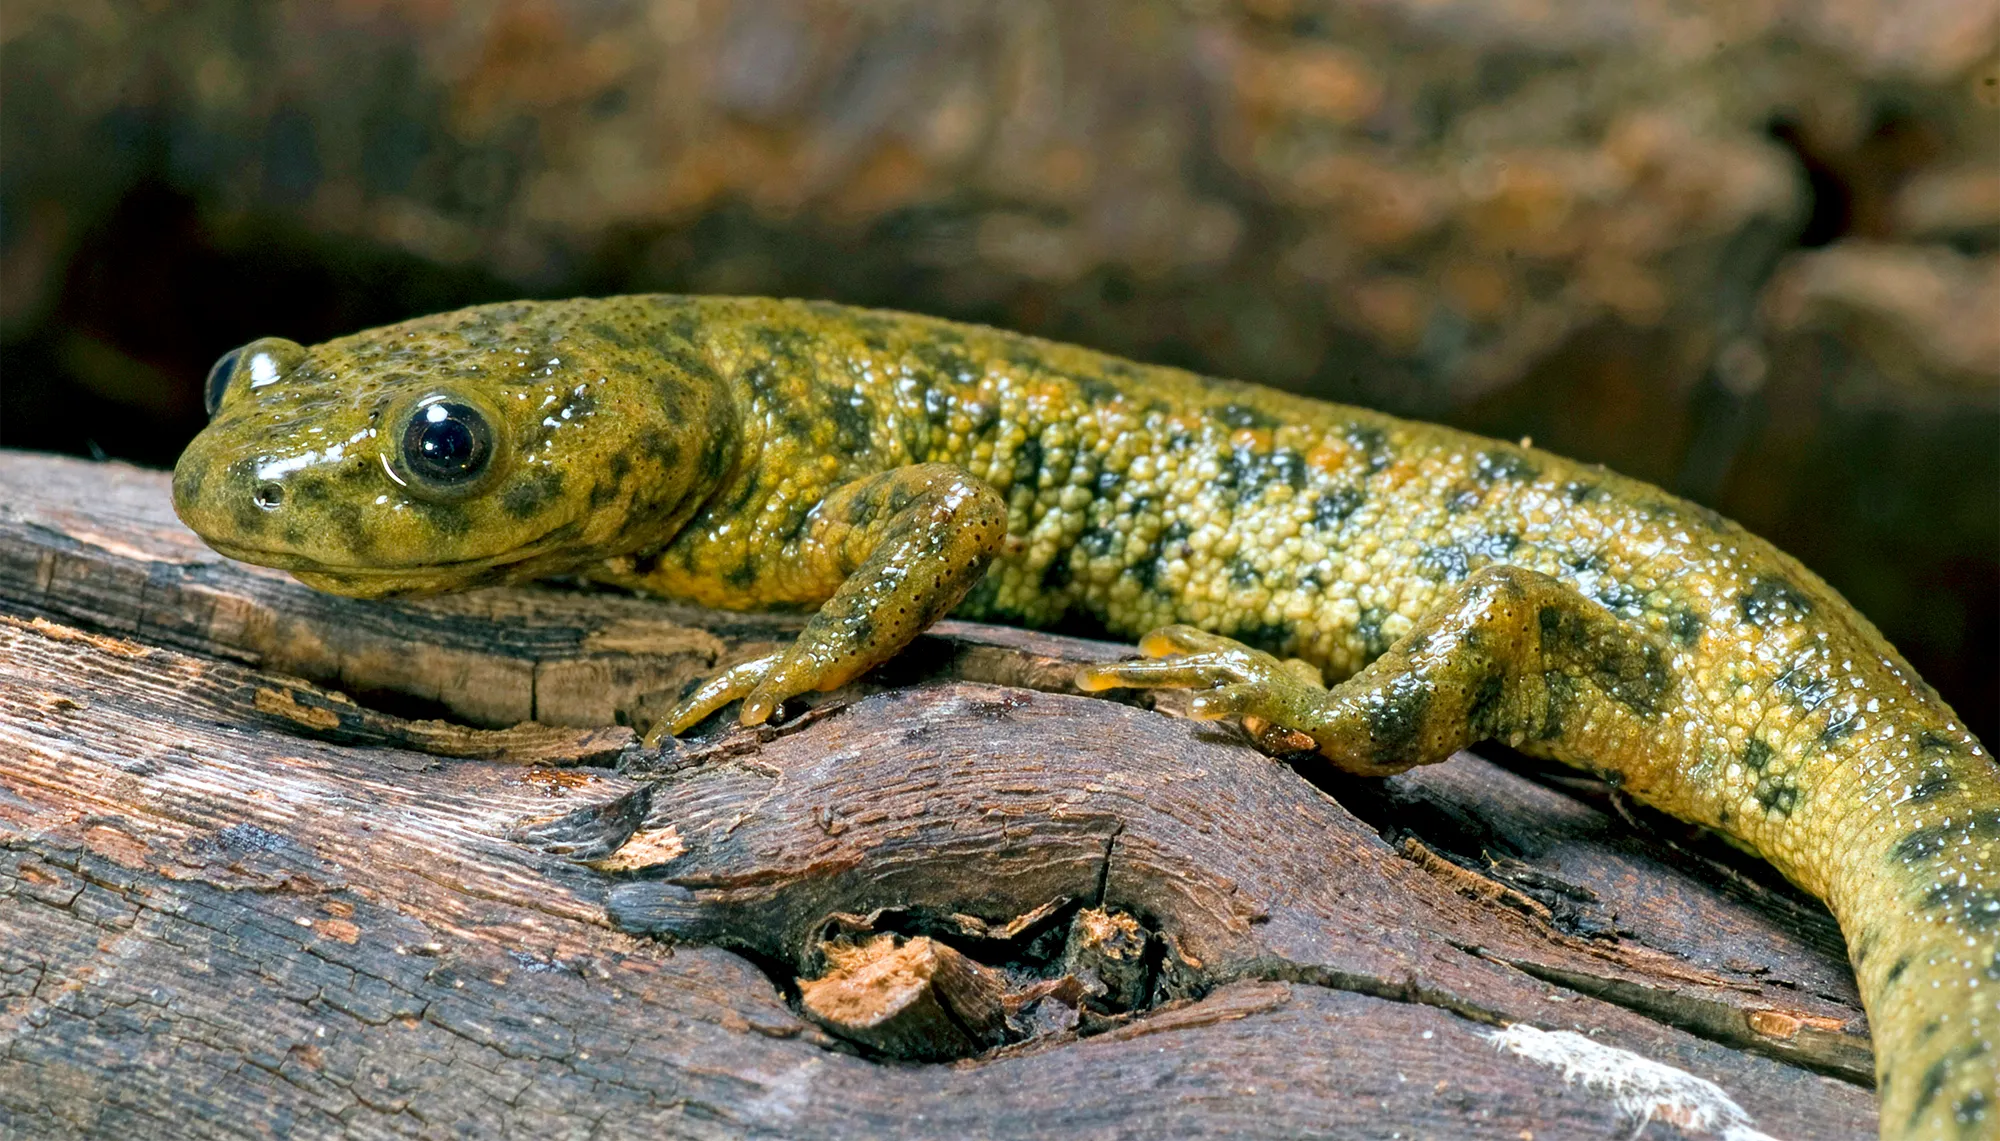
447,445
264,361
218,380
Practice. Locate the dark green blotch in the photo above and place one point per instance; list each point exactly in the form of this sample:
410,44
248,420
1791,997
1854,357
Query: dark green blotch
852,415
1976,907
1579,491
1483,714
611,334
1028,464
617,468
1250,471
662,449
1561,629
1896,970
1491,467
1057,575
1272,637
673,401
1146,572
1778,798
1930,841
1587,564
743,575
339,511
188,479
444,518
1098,542
345,516
857,629
941,355
1807,688
1368,627
716,458
1756,755
1096,391
1241,572
1637,681
1395,715
865,508
580,404
1929,1087
1839,727
1619,597
1561,689
747,492
938,406
1446,564
794,527
1464,497
789,347
1336,505
1684,626
772,392
1243,416
1773,600
1371,442
1969,1112
531,493
1932,786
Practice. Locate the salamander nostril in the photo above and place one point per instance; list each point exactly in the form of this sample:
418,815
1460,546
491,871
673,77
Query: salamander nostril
268,496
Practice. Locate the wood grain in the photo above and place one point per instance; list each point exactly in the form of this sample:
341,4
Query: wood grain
234,902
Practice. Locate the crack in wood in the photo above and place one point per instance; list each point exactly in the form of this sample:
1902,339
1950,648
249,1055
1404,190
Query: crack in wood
478,972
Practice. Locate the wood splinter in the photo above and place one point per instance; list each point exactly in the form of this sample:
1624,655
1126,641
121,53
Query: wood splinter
915,999
1110,948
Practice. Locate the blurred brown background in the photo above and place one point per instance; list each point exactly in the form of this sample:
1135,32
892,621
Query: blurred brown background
1746,249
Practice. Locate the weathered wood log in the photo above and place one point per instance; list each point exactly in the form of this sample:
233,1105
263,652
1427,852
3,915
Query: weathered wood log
234,901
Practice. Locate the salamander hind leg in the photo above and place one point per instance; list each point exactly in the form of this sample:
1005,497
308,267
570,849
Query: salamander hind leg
1508,653
890,554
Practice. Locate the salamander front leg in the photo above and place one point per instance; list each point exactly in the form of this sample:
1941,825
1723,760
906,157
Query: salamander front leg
1508,654
891,554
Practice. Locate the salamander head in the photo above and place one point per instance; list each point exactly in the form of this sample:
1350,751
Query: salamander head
489,445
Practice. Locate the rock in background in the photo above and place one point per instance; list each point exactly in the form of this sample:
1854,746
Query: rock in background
1747,249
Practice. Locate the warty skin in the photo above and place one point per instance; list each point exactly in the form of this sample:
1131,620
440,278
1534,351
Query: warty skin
881,469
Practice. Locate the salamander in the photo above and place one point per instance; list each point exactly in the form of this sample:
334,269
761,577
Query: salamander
1393,590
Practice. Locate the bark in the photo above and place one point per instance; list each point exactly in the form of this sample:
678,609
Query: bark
234,902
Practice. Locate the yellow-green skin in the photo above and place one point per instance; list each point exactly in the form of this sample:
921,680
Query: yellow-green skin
869,466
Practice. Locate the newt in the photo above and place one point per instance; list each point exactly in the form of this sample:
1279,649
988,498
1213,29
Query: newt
879,470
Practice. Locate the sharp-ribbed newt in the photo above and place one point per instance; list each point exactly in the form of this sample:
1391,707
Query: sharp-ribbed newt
880,469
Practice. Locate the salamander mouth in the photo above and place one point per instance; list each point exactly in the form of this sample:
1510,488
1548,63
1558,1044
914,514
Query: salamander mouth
409,578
